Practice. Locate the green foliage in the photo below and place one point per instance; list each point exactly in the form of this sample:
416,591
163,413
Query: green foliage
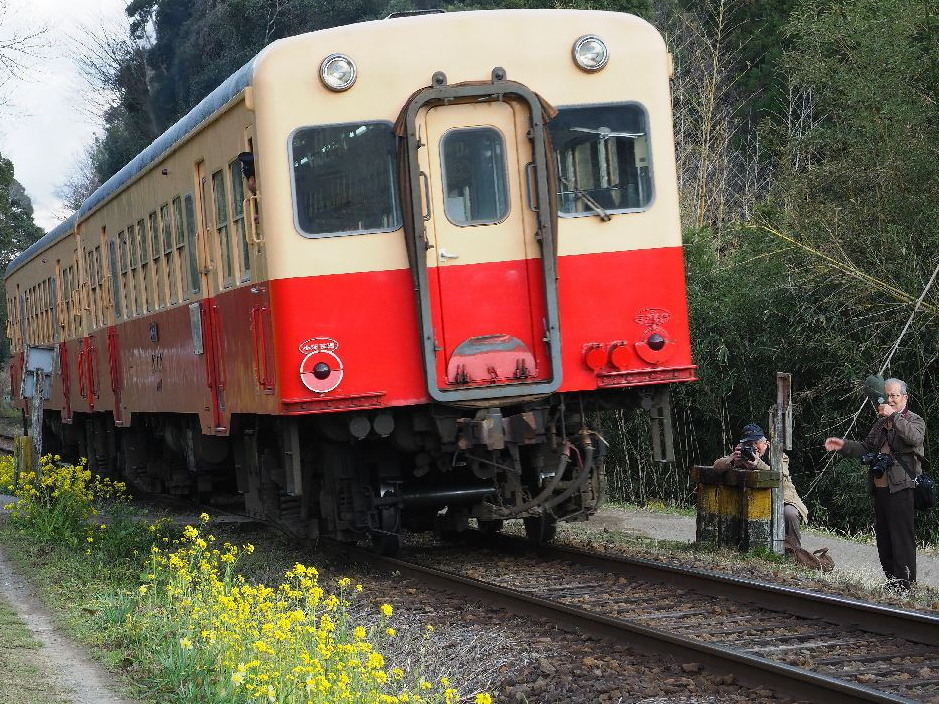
56,501
821,280
193,627
17,231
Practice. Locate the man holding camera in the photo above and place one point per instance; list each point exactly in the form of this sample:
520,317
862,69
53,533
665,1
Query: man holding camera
893,446
751,453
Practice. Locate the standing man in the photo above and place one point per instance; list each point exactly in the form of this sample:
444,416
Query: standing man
752,452
897,432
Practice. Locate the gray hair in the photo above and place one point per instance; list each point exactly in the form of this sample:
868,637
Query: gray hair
898,382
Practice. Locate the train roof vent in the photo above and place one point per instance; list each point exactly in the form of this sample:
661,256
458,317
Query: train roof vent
412,13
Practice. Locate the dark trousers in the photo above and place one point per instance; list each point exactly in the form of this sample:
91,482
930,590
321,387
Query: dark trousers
791,520
896,537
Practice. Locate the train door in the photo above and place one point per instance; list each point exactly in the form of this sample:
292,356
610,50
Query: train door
484,242
209,318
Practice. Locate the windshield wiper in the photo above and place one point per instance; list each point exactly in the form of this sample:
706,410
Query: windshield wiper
604,216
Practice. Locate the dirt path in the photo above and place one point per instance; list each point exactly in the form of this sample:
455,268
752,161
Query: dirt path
85,681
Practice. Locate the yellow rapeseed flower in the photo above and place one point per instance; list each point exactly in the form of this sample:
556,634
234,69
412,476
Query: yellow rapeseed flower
386,610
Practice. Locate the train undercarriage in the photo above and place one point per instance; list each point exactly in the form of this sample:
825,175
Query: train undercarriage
369,475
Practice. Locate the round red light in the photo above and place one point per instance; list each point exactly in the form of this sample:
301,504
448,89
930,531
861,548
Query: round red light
619,356
595,357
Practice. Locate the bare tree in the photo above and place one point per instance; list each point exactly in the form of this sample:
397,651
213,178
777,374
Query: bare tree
82,181
111,58
719,169
19,45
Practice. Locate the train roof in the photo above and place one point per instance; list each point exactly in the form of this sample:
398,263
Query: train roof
159,148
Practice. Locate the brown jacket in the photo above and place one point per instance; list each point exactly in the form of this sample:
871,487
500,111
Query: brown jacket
904,433
790,495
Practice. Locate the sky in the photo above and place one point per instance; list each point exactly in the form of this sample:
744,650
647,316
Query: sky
45,125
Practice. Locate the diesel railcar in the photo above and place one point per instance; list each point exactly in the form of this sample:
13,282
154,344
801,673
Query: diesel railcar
383,277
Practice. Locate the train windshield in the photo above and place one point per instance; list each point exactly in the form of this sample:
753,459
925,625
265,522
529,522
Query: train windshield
344,179
602,156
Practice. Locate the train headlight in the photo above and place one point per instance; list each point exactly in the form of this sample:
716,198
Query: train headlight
590,52
337,72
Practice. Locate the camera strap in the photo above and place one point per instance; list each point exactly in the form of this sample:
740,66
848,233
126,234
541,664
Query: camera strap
901,462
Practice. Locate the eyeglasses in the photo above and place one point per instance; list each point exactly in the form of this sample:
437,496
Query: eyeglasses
895,395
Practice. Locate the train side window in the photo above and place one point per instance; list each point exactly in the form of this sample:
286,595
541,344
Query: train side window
134,264
54,335
123,262
44,310
603,160
66,321
92,274
132,241
169,270
146,285
179,264
238,219
116,279
221,225
157,256
474,176
28,313
345,179
98,284
190,224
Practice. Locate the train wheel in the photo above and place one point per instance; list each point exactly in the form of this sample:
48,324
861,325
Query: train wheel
541,529
386,539
490,527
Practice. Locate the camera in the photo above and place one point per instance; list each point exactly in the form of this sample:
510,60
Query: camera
748,453
878,461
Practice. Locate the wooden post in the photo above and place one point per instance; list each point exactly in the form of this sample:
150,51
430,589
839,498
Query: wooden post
781,423
22,457
734,507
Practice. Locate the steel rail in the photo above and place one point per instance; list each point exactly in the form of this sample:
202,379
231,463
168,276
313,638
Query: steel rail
886,620
749,669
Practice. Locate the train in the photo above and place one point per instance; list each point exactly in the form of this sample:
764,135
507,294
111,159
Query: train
386,277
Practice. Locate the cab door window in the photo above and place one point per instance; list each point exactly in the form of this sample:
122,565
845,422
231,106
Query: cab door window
474,176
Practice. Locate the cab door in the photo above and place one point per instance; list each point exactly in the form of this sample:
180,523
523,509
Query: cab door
484,252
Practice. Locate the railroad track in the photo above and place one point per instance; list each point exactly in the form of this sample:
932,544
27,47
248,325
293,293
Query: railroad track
802,644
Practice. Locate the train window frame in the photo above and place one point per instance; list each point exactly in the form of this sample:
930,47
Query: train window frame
463,195
179,248
239,222
396,221
574,199
145,273
221,208
115,278
153,224
168,239
190,222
